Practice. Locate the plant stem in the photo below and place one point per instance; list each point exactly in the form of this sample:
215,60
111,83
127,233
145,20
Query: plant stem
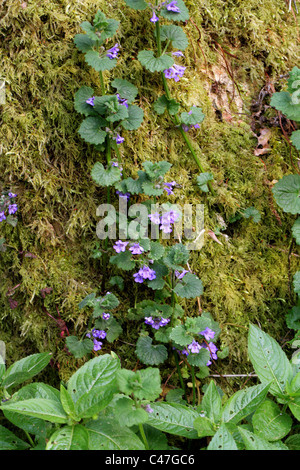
179,374
29,438
102,83
144,436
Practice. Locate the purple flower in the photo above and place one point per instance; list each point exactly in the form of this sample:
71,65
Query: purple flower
166,228
156,323
123,195
12,195
155,218
148,409
169,217
144,273
12,209
208,334
184,352
212,348
138,278
169,187
97,345
119,139
178,54
105,316
136,249
176,72
91,101
98,333
173,7
2,216
120,246
154,18
194,347
113,52
122,101
179,275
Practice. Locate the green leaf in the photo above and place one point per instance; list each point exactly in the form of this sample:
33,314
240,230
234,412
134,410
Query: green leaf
156,439
199,359
104,177
244,402
211,405
268,359
67,402
172,16
117,281
176,35
282,101
162,104
294,406
157,251
134,119
109,30
125,89
204,426
155,64
112,327
295,138
107,434
194,116
270,422
174,418
25,369
293,442
90,130
150,354
127,413
84,43
90,30
189,287
137,4
100,64
293,318
296,282
8,440
83,94
49,410
118,115
252,212
144,384
79,347
222,440
296,231
203,179
69,438
123,261
177,256
254,442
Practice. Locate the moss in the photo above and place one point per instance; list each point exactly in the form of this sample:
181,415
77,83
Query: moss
43,159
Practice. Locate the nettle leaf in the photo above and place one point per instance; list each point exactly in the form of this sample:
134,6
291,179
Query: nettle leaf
145,384
189,287
150,354
283,102
90,130
296,230
99,63
287,193
295,138
125,89
79,348
105,177
137,4
162,104
253,213
83,94
127,413
204,426
254,442
269,360
211,404
270,422
182,16
155,64
43,408
203,179
69,438
222,440
176,35
194,116
84,43
174,418
8,440
134,119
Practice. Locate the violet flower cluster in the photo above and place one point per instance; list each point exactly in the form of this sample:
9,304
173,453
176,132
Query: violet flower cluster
169,5
165,221
156,322
113,52
144,273
176,72
195,347
7,206
135,248
97,334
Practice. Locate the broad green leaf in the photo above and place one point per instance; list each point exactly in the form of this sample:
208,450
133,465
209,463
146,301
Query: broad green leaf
155,64
79,347
270,422
134,119
194,116
125,89
144,384
211,404
286,193
174,419
282,101
105,177
91,130
296,282
203,179
176,35
99,63
137,4
69,438
294,406
128,414
268,359
181,336
295,137
67,402
43,408
204,426
107,434
293,442
244,402
123,260
296,231
172,16
150,354
83,94
8,440
157,251
189,287
162,104
254,442
156,439
222,440
84,43
25,369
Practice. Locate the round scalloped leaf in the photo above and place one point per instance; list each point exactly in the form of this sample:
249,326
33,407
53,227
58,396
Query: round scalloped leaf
173,16
134,119
203,179
83,94
162,103
194,116
176,35
287,193
90,130
150,354
125,89
104,177
189,287
155,64
199,359
282,101
83,42
79,348
295,138
100,64
137,4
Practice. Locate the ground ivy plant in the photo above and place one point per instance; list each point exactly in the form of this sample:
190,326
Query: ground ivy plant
8,209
